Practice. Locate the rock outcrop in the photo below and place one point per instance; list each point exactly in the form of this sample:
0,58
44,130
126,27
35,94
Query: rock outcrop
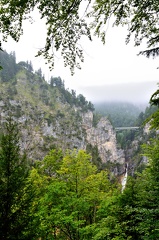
104,137
49,115
40,132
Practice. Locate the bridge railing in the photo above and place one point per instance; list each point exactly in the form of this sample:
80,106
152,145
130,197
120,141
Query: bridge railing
126,128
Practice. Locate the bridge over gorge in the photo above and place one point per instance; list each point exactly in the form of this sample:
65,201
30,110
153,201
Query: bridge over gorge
126,128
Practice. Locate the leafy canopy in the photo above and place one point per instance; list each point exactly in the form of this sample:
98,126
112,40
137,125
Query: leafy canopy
65,25
73,193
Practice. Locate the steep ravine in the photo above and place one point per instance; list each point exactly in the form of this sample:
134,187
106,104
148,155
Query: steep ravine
49,115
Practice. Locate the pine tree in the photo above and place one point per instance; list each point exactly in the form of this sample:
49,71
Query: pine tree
14,197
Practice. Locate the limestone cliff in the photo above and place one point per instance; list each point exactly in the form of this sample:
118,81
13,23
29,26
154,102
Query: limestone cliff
73,130
104,137
49,115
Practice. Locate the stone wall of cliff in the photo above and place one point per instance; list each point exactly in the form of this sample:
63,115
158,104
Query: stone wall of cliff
104,137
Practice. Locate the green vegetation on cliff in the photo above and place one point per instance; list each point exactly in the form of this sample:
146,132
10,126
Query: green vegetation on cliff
121,114
65,196
49,113
21,79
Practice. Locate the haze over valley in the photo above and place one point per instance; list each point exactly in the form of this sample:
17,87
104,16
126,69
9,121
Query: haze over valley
138,93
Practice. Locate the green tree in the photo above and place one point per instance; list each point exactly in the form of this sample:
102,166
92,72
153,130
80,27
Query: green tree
72,198
124,215
134,214
65,25
8,62
141,18
51,163
93,151
148,198
39,72
15,194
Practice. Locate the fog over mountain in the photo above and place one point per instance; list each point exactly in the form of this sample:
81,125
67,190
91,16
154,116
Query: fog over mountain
139,92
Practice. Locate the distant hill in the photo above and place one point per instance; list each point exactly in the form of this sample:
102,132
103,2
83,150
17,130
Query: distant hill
121,114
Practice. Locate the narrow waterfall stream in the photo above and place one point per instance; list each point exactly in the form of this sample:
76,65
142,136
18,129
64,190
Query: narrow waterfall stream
124,180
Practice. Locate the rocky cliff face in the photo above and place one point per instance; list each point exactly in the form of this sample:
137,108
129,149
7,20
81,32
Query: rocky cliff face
75,130
49,115
104,137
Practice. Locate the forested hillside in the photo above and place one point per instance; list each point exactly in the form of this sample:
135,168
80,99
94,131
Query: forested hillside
53,183
25,70
64,196
121,114
61,194
49,113
130,140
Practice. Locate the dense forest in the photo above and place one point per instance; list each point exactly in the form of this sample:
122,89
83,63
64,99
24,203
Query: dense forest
67,194
8,75
121,114
124,114
64,196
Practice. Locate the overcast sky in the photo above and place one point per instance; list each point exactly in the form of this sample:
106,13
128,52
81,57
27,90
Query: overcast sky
112,63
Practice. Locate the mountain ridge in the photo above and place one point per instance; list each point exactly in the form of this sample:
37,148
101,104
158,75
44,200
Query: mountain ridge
51,116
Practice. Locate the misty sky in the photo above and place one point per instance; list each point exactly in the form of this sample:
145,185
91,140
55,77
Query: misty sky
137,93
112,64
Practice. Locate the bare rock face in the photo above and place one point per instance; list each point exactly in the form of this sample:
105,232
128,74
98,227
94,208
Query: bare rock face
104,137
41,130
146,128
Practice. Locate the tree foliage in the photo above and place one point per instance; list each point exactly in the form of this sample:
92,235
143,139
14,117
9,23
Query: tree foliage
154,117
65,25
141,18
121,114
9,67
16,193
72,195
65,196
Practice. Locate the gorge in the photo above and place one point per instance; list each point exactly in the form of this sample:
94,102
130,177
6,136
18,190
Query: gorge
51,116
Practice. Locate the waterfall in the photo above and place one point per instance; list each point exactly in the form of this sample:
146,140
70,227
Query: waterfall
124,180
